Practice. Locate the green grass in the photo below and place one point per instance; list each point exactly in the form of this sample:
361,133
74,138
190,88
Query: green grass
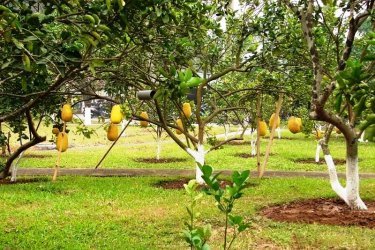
139,143
131,213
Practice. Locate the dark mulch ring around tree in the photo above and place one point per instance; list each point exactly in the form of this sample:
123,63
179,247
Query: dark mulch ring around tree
179,183
161,160
322,211
22,181
321,162
30,156
236,142
247,155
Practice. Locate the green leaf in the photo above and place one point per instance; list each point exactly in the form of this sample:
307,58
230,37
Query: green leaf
188,75
235,220
243,227
5,65
197,241
165,18
181,76
158,11
338,102
207,170
194,82
26,62
18,44
360,106
24,84
121,4
108,3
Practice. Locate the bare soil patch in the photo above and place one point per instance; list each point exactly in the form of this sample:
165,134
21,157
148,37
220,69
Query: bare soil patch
247,155
162,160
22,181
321,162
236,142
30,156
322,211
179,183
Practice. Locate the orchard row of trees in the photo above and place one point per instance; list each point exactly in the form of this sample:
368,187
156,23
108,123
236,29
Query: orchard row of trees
225,52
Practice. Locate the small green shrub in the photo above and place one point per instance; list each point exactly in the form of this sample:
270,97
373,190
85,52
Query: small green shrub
225,199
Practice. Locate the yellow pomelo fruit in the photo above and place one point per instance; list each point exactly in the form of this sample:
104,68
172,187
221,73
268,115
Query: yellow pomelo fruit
294,125
186,108
62,142
144,115
272,119
112,132
116,114
67,113
179,124
262,128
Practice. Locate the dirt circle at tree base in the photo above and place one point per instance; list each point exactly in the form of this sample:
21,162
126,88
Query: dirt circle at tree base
161,160
326,211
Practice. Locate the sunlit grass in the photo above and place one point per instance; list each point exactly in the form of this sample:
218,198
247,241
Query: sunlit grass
139,143
131,213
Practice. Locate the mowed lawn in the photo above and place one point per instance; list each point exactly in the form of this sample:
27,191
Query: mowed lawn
140,143
132,213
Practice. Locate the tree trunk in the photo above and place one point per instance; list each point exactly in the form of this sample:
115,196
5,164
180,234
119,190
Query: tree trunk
158,147
15,167
278,132
226,131
317,152
8,164
350,194
253,143
199,157
87,115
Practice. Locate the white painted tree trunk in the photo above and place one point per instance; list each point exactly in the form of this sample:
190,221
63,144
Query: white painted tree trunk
13,177
123,123
350,194
253,143
362,139
87,116
158,147
317,152
199,157
226,131
278,132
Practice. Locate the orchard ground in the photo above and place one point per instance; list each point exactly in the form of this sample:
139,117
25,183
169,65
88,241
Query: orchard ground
134,213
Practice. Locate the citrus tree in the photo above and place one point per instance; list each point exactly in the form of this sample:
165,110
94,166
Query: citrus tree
341,55
54,50
192,64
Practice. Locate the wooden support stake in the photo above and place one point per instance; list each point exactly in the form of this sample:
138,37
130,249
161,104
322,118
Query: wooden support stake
268,150
259,103
58,158
113,144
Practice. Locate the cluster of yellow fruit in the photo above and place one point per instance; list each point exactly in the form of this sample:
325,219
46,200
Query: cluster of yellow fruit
186,109
116,118
263,125
62,141
294,124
